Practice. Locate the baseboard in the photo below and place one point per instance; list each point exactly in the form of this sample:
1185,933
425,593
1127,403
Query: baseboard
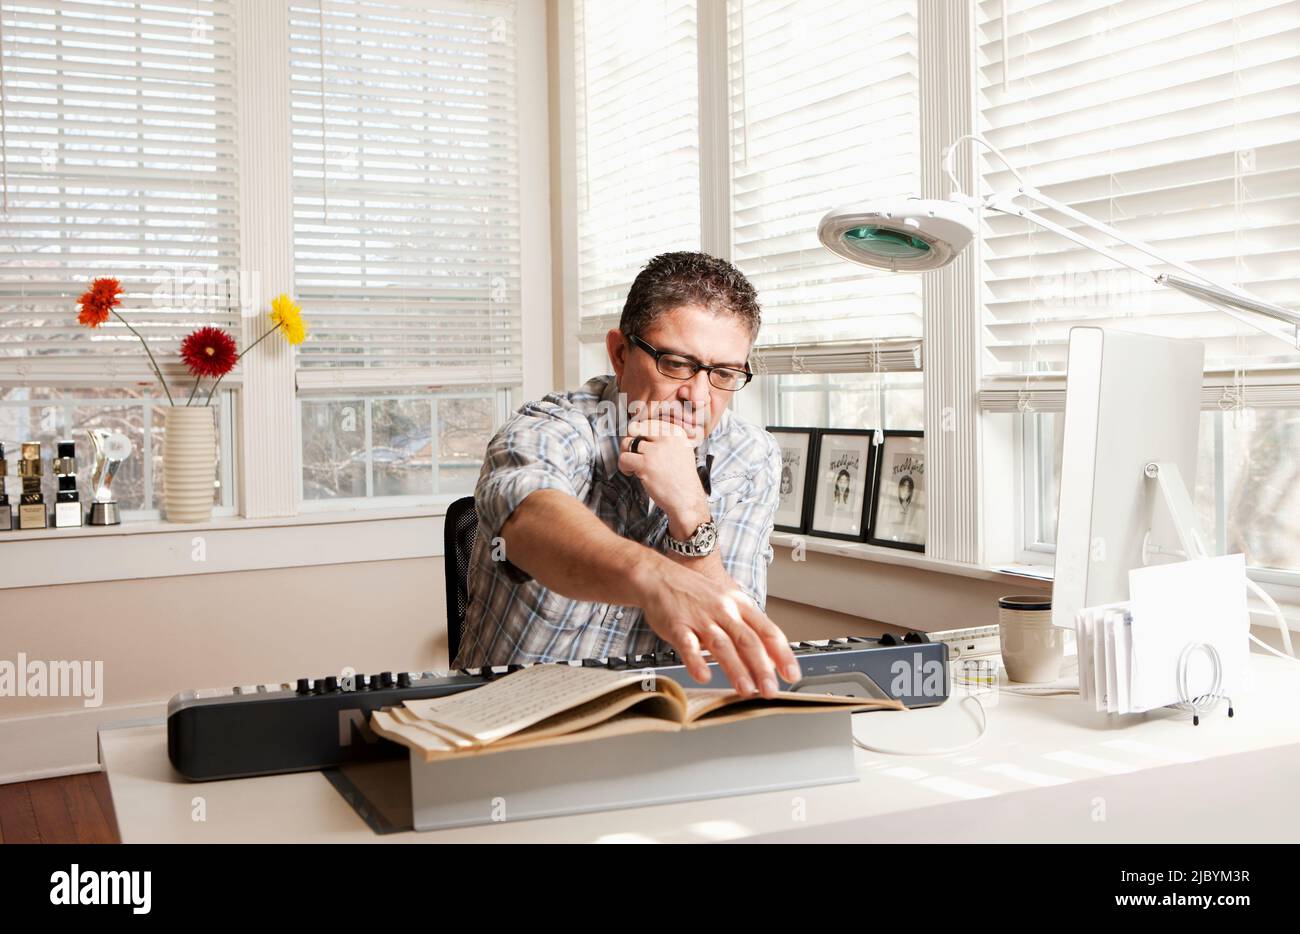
64,743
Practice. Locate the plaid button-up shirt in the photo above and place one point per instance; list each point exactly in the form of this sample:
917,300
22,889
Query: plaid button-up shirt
570,442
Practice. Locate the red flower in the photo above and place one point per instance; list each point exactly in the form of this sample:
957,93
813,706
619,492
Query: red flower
209,352
98,301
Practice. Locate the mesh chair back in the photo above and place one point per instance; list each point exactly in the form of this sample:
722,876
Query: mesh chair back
459,530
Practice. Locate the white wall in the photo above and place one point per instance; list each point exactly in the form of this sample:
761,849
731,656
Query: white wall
159,636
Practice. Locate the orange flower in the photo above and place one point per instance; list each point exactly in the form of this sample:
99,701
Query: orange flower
98,301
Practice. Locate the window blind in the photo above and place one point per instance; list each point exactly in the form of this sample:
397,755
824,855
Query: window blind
117,159
1179,124
824,103
406,192
637,149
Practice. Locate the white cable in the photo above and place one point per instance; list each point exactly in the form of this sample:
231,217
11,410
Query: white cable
1200,703
1269,602
984,725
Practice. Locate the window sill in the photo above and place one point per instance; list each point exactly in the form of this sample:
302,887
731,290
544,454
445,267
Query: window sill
158,526
150,549
879,554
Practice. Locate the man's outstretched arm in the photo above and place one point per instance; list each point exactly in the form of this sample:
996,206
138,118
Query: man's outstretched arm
552,536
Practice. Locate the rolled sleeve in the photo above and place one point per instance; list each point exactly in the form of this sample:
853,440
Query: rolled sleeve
546,445
745,530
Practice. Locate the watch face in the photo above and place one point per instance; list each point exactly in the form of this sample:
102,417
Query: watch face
706,537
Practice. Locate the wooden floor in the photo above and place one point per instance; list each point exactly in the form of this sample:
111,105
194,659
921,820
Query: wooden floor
70,809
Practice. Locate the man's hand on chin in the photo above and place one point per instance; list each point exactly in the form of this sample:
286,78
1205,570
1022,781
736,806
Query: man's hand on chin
664,462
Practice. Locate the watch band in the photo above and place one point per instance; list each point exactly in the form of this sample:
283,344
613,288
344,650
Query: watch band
703,541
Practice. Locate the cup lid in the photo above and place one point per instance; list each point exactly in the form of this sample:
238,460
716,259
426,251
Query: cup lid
1034,601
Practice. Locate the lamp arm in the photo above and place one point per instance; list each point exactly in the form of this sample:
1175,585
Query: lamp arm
1140,245
1006,205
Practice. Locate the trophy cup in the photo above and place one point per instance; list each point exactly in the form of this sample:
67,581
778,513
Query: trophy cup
111,448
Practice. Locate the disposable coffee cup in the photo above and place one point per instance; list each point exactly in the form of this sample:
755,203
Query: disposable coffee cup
1032,648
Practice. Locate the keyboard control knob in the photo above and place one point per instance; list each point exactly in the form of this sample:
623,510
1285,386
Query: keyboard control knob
331,684
304,686
358,682
404,679
386,679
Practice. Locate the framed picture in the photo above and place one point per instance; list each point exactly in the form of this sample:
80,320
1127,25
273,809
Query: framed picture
845,472
898,516
798,448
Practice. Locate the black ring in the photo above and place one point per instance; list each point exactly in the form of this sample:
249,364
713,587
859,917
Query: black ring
635,442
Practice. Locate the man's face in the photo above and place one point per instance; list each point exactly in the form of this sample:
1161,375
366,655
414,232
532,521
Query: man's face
695,403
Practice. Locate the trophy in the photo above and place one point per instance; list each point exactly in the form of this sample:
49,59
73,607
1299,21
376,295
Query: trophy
111,448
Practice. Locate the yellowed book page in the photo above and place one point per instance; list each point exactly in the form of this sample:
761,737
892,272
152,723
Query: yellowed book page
407,718
386,725
705,702
621,724
526,697
657,704
737,708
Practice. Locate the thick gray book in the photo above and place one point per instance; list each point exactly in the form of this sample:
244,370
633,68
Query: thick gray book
555,739
768,753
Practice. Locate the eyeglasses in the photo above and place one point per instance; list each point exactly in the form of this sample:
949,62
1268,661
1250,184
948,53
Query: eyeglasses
676,366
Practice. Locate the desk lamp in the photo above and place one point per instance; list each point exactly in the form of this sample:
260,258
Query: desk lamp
919,234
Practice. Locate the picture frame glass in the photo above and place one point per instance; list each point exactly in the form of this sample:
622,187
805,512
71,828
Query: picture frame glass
795,448
900,510
843,482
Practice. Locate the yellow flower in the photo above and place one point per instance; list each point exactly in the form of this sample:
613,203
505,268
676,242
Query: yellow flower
287,314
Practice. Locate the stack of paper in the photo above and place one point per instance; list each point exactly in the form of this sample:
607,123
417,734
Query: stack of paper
1129,652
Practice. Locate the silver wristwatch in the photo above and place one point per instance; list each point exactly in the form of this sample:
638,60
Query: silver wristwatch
702,542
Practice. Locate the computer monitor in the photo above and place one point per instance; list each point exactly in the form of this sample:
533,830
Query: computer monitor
1131,400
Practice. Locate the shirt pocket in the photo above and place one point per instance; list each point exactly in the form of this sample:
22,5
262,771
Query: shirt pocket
557,612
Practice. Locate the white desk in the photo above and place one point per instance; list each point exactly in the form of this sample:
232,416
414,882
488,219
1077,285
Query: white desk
1049,770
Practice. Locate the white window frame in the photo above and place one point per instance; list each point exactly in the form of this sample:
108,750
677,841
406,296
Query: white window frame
980,511
262,422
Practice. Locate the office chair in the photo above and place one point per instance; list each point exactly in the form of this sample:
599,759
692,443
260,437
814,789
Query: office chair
459,529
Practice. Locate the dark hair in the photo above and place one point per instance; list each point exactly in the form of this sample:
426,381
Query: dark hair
672,280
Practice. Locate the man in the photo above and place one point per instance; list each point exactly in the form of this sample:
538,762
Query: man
636,511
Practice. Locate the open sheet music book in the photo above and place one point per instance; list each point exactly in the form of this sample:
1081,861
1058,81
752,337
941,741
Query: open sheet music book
554,704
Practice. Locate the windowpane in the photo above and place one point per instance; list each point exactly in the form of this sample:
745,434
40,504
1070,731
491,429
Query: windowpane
1173,122
119,161
1261,479
849,400
402,446
406,189
333,449
637,142
50,415
1251,504
418,445
465,426
824,111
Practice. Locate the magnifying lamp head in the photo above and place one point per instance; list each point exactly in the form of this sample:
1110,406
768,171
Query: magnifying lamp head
898,234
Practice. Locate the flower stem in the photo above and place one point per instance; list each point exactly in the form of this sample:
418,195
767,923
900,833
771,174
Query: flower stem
144,343
213,390
193,391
